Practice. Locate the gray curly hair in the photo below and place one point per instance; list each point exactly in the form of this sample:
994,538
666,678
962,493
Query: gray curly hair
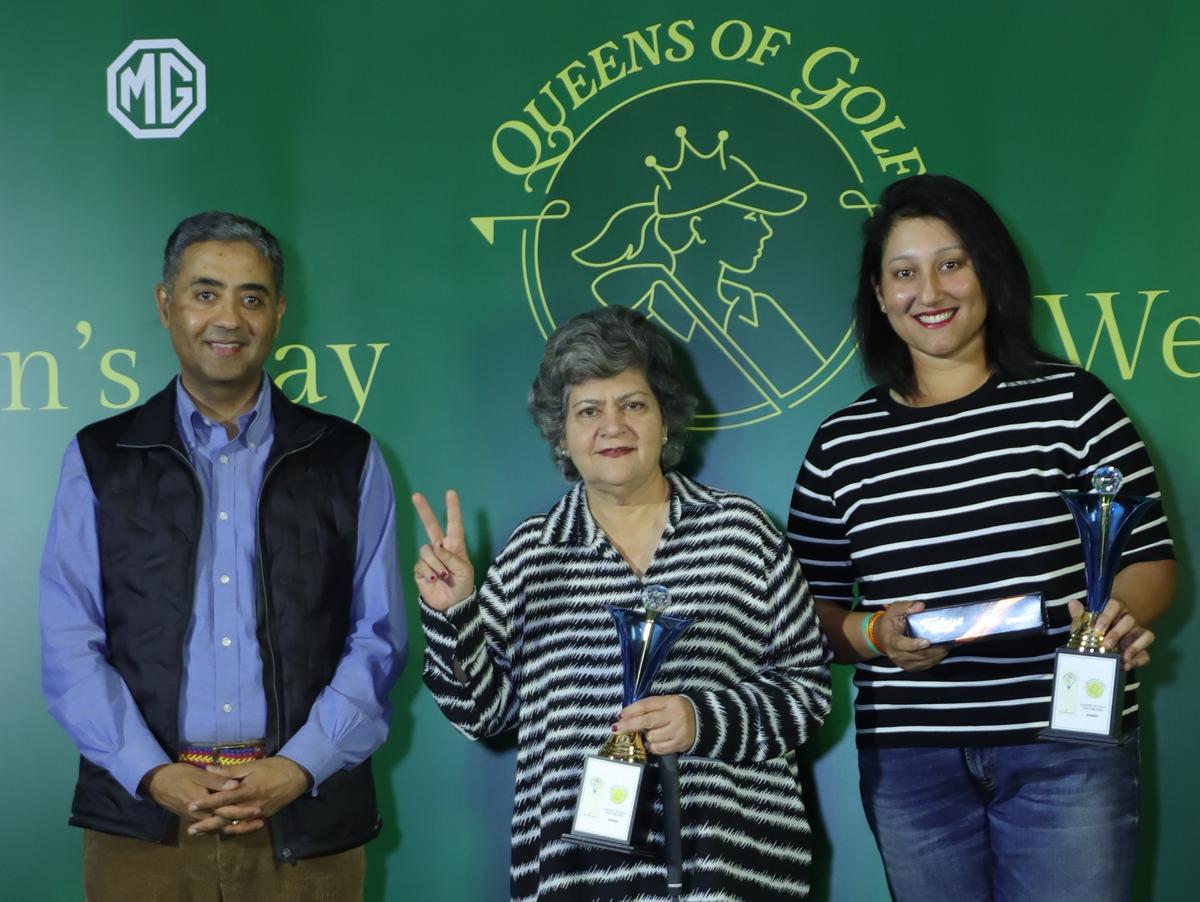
600,344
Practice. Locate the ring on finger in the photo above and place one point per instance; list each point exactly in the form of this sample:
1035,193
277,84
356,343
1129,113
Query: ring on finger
235,821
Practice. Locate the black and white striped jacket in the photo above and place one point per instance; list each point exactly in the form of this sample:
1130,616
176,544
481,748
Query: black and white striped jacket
540,654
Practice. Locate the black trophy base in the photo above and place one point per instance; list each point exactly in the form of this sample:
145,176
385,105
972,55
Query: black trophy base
612,845
1052,735
1087,699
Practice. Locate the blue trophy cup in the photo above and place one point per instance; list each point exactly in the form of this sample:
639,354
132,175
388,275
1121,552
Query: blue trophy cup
1089,682
611,809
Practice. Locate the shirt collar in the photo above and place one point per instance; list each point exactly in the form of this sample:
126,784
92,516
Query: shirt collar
570,522
253,425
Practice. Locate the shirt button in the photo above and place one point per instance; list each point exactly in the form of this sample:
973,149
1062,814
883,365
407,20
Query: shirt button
224,578
224,458
227,707
226,641
253,446
223,515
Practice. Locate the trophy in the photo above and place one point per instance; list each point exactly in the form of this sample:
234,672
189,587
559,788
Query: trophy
614,807
1089,682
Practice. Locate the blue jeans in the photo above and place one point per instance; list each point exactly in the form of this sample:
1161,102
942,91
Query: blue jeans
1047,820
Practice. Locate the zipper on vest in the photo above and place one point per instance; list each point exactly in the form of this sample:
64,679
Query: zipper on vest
262,577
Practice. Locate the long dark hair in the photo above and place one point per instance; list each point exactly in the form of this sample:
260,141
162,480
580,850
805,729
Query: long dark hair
1008,337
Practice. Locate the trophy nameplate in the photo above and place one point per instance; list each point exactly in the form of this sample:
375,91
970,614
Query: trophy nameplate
607,811
1088,697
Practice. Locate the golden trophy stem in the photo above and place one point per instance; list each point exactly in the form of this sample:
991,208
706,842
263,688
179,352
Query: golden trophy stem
625,747
1084,637
647,629
1105,514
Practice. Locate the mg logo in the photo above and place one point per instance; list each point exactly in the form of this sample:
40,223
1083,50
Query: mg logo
156,88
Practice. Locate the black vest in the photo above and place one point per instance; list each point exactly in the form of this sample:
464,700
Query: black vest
148,520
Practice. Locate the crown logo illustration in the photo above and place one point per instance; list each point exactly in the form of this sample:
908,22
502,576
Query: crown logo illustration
698,180
717,154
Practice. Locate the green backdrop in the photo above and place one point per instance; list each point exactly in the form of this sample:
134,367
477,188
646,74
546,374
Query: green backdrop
437,174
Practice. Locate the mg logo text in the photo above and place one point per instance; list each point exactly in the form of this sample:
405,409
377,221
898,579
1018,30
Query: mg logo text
156,88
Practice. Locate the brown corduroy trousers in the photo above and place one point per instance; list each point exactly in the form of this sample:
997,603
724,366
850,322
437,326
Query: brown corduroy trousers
214,868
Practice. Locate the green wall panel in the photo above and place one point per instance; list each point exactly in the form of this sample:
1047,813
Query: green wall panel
369,136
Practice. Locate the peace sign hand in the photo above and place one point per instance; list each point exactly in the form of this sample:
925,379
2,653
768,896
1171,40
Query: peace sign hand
443,572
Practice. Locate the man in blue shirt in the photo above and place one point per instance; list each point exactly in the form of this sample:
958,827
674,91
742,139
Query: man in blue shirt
221,614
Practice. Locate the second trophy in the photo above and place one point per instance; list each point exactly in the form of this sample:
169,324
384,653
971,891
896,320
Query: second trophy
614,802
1088,692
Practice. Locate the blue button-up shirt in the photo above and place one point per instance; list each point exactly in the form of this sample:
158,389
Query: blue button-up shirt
222,699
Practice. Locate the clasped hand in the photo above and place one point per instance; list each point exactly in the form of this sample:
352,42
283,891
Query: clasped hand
668,723
228,800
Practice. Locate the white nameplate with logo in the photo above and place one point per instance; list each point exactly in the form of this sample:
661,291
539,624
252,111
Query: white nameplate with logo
1088,694
608,795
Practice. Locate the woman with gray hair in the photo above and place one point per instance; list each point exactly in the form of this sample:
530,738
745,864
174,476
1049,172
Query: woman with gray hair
534,647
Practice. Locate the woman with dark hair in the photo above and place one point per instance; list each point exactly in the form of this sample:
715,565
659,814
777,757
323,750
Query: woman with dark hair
534,647
939,486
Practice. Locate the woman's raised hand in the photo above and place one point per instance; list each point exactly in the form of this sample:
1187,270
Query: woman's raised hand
443,571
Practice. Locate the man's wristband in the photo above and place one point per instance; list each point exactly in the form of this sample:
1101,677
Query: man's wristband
868,632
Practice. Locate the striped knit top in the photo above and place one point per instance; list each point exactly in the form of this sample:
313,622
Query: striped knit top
957,503
538,652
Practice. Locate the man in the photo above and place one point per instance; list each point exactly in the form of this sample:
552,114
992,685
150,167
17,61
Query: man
221,615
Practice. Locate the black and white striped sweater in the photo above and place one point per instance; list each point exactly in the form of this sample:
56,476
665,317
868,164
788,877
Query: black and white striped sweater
957,503
540,653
